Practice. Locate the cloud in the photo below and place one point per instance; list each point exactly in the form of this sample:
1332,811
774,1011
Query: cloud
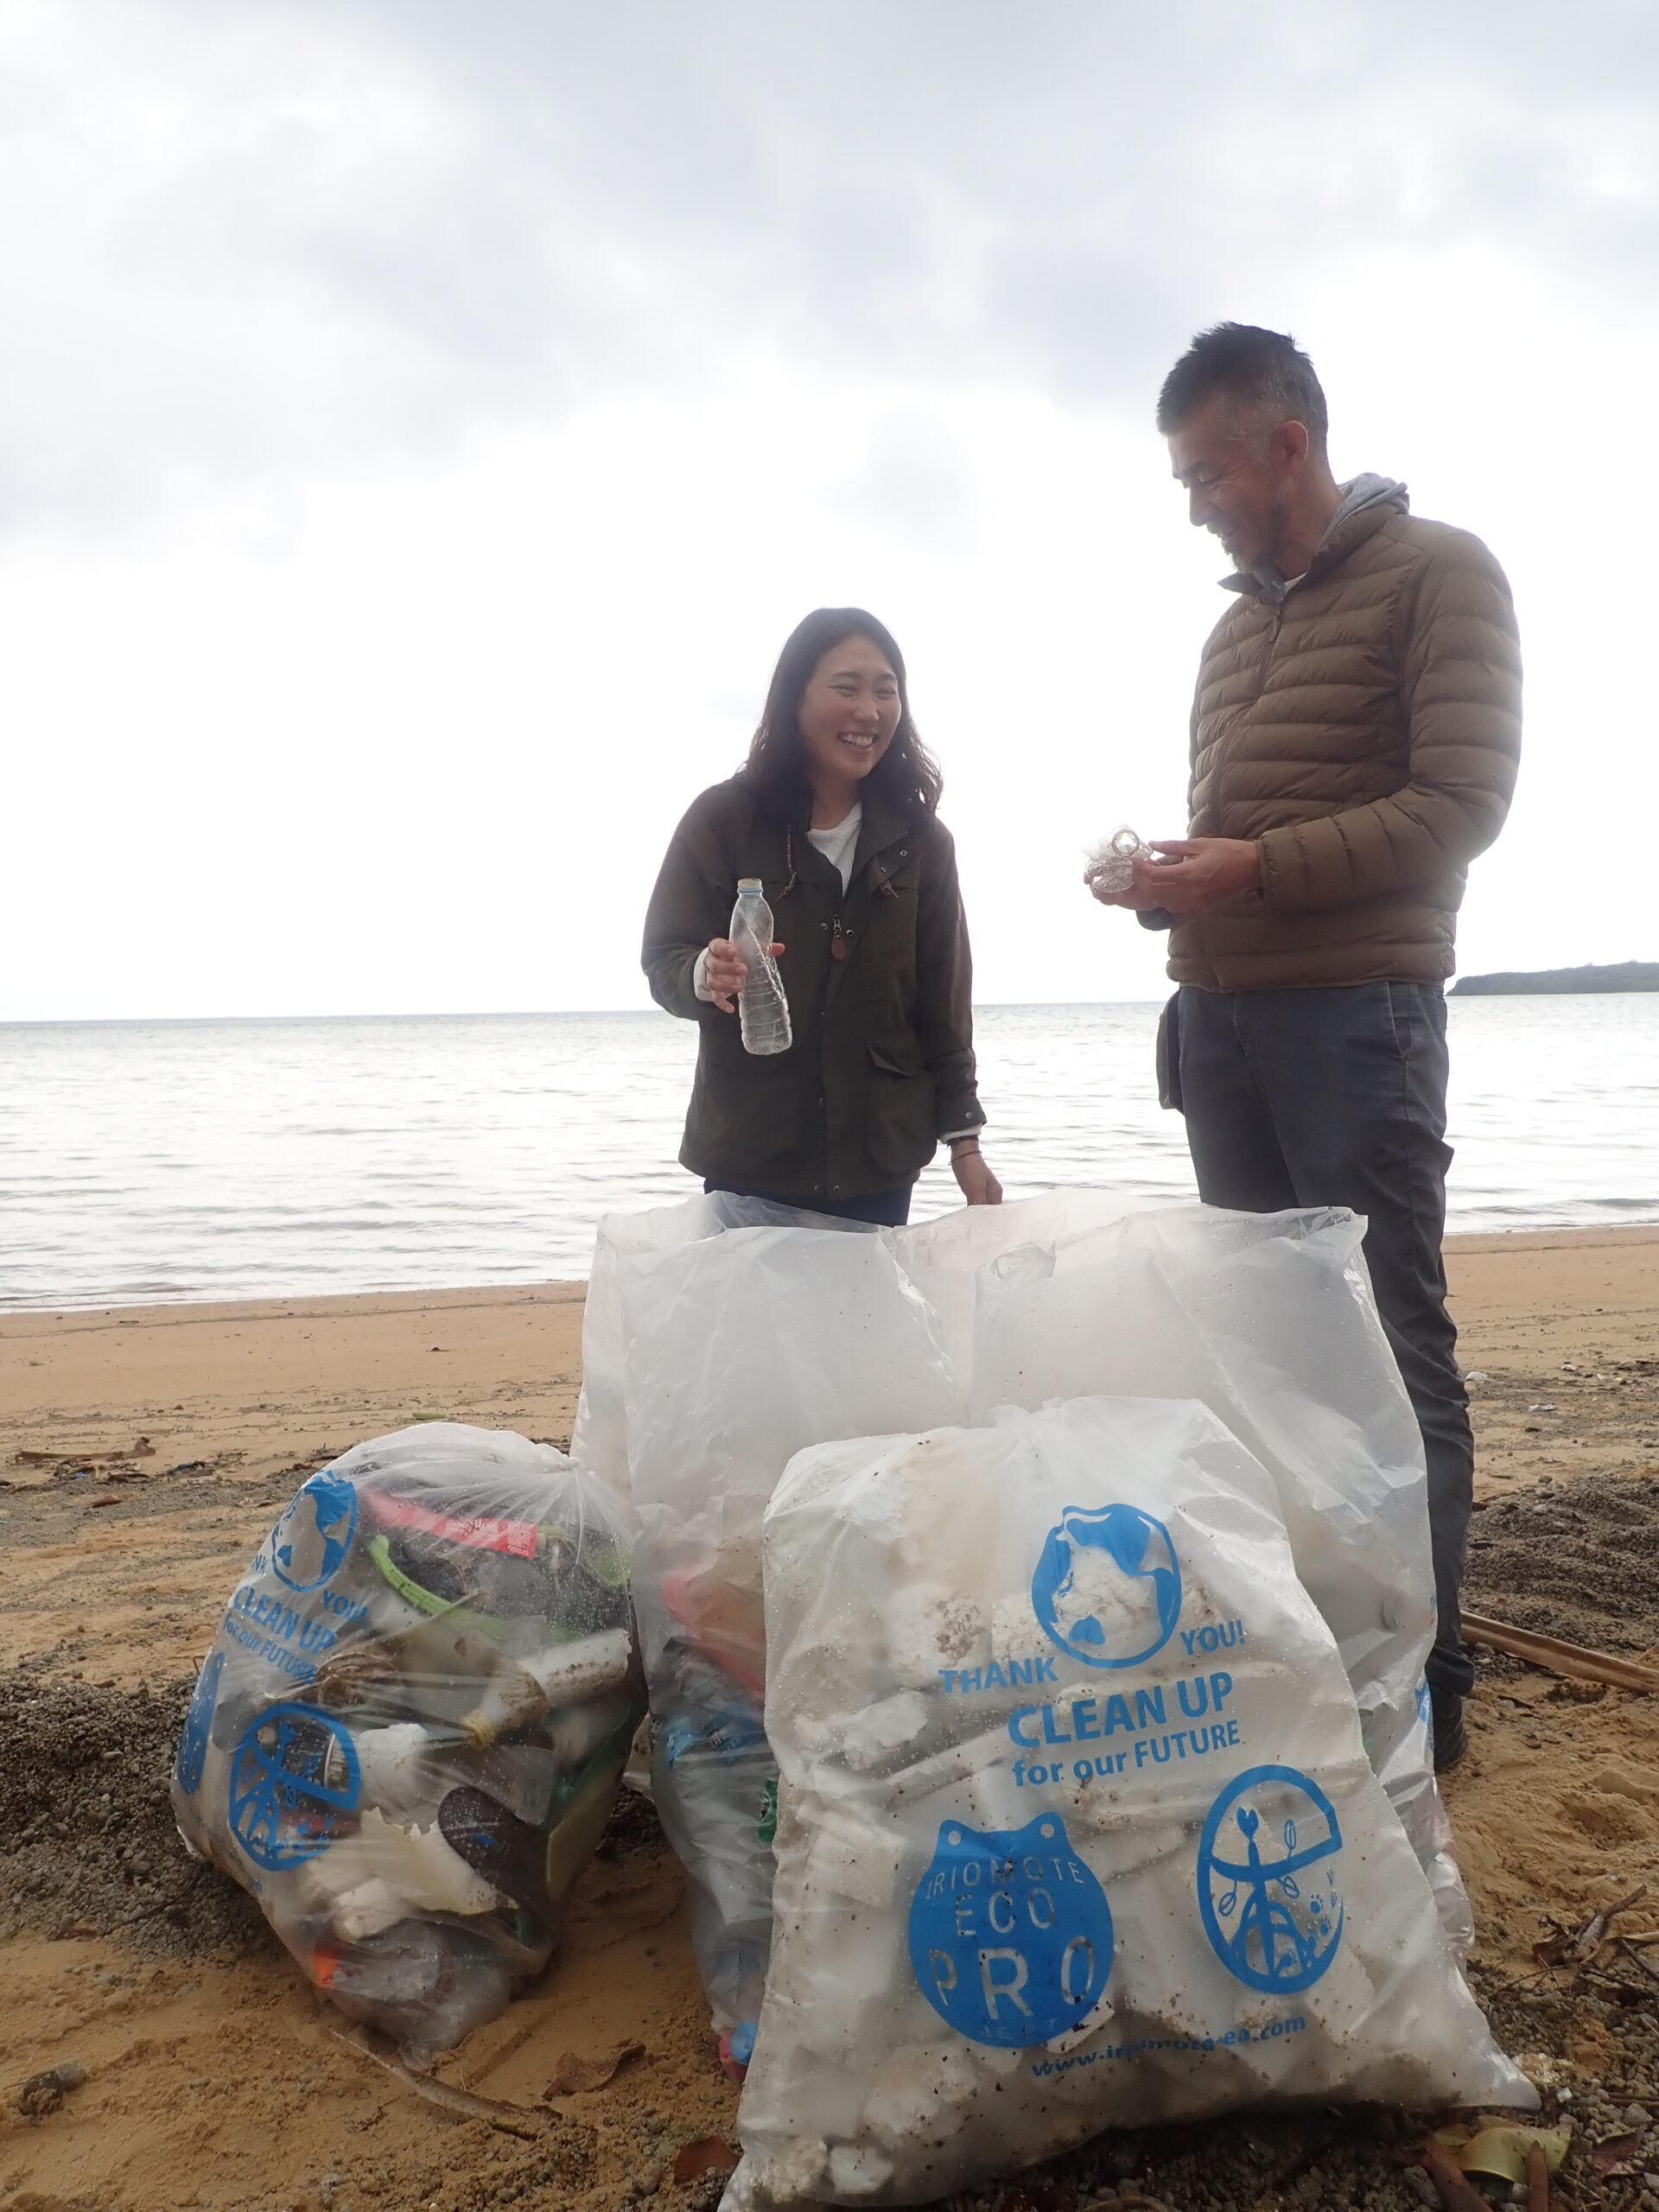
916,482
252,248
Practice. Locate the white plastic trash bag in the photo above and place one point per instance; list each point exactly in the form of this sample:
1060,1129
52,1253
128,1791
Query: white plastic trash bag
740,1349
599,1437
408,1735
600,1440
1269,1320
945,1257
1075,1829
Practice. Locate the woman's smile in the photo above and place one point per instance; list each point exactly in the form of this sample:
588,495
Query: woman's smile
847,717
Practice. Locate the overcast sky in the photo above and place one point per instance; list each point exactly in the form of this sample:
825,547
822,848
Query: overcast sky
421,424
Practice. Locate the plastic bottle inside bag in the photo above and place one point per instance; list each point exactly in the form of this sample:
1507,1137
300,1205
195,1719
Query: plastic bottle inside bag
763,1008
428,1982
715,1784
724,1810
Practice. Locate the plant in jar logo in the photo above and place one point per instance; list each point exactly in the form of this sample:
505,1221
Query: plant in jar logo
1267,1879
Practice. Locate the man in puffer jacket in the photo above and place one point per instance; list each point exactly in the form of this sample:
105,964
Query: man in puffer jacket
1354,741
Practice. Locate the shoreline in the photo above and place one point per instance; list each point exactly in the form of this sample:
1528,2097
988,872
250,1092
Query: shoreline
424,1297
217,1410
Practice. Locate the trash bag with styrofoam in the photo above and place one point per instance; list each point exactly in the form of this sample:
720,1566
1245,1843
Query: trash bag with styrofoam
1076,1829
409,1732
1268,1319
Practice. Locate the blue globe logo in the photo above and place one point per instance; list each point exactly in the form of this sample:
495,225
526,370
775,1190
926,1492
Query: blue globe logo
193,1741
293,1785
310,1542
1108,1586
1267,1879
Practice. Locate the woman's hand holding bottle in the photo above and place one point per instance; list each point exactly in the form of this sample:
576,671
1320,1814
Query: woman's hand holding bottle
724,972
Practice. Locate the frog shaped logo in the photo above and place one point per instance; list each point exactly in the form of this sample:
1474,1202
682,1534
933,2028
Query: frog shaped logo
1271,1919
192,1740
1010,1934
314,1535
1108,1586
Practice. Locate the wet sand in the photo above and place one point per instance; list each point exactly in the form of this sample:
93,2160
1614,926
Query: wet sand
143,1452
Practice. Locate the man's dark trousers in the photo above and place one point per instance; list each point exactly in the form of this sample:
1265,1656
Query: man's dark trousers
1337,1097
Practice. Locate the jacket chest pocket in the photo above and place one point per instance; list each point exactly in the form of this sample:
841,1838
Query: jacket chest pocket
880,918
892,879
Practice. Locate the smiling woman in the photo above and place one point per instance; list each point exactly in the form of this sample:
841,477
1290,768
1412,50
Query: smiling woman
834,812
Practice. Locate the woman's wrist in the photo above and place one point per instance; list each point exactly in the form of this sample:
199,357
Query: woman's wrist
960,1146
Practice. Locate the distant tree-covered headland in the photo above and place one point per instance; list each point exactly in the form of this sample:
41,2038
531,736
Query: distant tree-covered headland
1615,975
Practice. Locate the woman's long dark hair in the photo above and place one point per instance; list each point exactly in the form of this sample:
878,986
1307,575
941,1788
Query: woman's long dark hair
906,775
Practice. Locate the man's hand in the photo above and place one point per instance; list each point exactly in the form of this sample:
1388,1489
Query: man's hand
1137,901
979,1187
1193,875
725,972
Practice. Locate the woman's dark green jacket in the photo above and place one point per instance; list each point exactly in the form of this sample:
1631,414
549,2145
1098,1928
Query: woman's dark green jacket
879,983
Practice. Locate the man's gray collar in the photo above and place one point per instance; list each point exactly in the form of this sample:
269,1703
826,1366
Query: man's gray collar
1359,494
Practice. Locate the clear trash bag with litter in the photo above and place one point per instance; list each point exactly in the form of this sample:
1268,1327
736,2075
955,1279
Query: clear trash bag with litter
738,1349
409,1732
1076,1827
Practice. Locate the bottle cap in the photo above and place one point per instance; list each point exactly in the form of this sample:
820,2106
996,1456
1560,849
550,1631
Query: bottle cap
749,883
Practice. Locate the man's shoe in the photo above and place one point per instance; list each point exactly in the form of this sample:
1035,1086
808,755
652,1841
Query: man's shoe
1451,1732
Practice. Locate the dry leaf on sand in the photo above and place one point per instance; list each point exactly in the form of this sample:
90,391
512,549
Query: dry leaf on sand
574,2073
707,2155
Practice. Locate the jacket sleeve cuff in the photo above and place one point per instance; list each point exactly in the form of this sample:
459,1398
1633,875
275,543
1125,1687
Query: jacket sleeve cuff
1155,918
671,976
959,1117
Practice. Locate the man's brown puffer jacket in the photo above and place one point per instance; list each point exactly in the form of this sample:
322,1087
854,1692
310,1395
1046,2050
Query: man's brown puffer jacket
1366,732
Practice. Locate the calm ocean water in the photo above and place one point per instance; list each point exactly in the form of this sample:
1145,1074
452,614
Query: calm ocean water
143,1161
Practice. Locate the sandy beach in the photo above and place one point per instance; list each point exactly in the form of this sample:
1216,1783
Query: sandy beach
143,1453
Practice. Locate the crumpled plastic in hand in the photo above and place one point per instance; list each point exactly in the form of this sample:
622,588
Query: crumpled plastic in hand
1111,862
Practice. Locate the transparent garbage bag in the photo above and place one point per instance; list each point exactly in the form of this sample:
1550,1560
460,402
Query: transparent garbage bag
943,1258
409,1733
1076,1829
600,1439
738,1349
1270,1321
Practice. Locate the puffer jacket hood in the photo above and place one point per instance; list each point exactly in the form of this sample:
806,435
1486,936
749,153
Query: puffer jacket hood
1361,492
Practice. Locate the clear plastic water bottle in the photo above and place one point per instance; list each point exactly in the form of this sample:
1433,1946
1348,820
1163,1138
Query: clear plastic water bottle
763,1009
716,1785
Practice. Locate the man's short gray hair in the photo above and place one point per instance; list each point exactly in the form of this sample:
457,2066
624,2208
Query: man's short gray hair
1262,374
